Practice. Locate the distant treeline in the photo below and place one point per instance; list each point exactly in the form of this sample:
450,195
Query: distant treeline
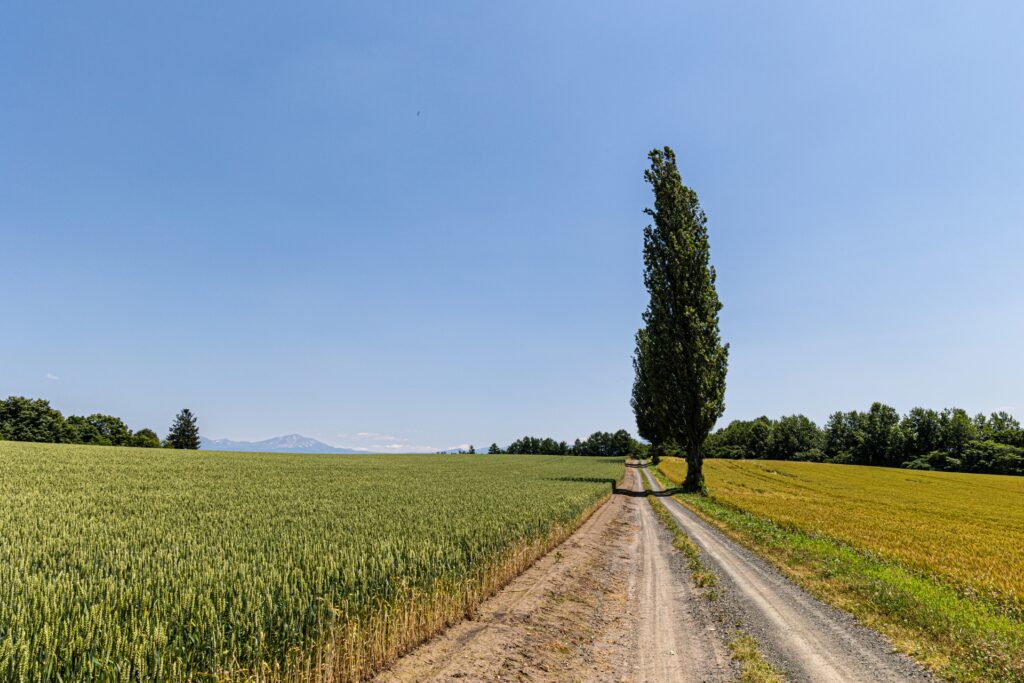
33,419
618,443
949,440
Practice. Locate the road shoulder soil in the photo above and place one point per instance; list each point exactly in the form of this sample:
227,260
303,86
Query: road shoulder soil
547,624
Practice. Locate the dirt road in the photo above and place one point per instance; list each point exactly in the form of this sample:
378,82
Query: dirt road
681,639
808,639
615,602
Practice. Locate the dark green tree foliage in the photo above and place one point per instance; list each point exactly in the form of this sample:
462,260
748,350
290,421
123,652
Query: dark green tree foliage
531,445
999,425
146,438
617,444
494,449
840,438
792,437
1003,428
760,435
991,456
26,419
98,430
922,431
958,430
923,439
882,443
78,429
184,432
680,357
649,423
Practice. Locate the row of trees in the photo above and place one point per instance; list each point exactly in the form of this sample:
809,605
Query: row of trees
618,443
27,419
948,440
680,361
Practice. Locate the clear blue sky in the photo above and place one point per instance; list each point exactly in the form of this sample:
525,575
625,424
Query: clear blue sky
422,221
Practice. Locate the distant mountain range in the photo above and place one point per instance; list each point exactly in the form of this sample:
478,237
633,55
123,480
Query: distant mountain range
291,443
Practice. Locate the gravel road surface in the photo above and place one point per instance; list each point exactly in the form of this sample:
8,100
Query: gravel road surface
807,639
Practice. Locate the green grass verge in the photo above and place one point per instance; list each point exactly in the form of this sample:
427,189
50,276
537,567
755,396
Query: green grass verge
961,637
756,669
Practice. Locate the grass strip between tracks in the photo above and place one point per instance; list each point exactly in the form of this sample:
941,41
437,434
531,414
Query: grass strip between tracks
960,638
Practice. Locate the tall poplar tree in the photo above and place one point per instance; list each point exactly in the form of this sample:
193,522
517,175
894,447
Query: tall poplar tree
680,359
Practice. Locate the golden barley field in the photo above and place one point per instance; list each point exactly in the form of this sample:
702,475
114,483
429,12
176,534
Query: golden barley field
963,529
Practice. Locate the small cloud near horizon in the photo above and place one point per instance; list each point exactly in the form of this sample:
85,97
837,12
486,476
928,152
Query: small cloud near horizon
374,436
408,449
50,375
377,442
371,436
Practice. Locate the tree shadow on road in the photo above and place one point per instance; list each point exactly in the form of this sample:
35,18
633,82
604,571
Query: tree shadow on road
618,490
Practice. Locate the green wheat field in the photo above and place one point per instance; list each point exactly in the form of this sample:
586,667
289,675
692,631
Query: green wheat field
144,564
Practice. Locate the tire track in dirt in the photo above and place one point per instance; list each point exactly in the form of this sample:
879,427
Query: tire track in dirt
812,641
546,622
680,637
614,602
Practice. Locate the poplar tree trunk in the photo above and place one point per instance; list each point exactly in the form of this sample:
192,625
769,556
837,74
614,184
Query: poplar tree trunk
694,482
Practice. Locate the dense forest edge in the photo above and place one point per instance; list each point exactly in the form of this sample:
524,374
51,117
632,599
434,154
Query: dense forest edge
35,420
949,440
